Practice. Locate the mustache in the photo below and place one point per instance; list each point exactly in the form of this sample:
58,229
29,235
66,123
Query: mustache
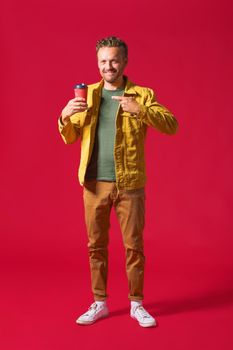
109,70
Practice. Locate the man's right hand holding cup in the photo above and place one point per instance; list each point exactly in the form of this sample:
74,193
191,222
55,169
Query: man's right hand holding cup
76,105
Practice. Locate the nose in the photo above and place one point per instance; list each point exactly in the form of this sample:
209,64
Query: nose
109,65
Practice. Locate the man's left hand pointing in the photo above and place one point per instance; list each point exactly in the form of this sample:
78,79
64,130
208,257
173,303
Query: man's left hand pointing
128,104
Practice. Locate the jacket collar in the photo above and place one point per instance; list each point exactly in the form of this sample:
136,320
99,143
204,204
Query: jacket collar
129,87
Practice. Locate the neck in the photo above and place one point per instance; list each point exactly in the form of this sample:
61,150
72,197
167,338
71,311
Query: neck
114,85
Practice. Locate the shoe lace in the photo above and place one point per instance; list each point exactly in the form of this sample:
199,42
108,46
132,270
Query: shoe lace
92,309
143,313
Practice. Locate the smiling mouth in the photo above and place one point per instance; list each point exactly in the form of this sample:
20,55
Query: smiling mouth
110,72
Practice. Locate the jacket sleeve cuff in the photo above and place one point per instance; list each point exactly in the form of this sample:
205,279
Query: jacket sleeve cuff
142,114
61,122
61,125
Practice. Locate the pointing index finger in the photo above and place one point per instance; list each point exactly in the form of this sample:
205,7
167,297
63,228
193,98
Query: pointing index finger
118,98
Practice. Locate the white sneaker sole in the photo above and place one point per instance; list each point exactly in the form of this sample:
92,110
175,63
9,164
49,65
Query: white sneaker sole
145,325
86,323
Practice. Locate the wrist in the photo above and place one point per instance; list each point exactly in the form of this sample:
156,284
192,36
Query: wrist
64,119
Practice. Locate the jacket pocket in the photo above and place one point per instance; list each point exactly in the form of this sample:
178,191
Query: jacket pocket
130,123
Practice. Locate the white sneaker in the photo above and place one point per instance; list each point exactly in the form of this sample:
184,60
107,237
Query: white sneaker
142,316
93,314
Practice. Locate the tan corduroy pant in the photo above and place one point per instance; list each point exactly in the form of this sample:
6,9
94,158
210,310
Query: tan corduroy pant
129,205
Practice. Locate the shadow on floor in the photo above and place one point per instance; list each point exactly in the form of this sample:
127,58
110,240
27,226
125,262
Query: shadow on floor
209,300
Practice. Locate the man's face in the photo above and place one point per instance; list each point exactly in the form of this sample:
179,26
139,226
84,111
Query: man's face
111,63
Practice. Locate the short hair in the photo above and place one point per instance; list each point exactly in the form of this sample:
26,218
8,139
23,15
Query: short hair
112,41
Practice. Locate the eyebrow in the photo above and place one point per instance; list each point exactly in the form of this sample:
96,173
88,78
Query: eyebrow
105,59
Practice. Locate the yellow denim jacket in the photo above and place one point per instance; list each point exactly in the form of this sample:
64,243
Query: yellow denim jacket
130,133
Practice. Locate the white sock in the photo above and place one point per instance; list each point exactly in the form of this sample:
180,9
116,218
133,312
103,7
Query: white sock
100,302
135,303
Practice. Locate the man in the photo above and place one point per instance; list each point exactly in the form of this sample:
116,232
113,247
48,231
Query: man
112,125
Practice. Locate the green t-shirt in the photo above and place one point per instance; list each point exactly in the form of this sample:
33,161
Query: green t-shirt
102,164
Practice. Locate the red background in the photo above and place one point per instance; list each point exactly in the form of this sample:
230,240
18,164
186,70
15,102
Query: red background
181,49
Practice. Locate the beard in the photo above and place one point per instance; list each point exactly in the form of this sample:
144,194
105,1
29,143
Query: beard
112,75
